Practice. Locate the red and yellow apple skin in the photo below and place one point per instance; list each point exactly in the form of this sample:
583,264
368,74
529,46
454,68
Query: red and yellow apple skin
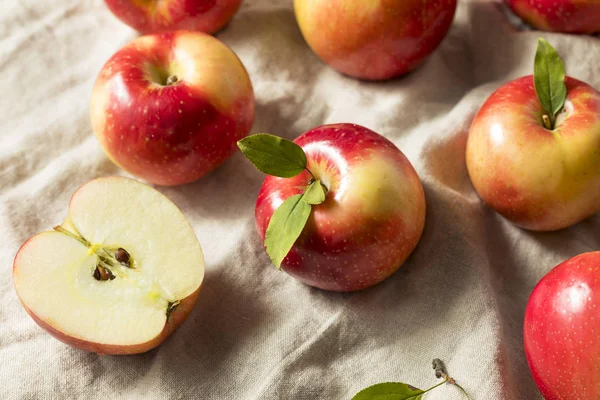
372,217
152,16
374,39
571,16
539,179
562,330
171,134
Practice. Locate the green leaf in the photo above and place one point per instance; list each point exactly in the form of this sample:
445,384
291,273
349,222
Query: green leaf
274,155
390,391
549,78
285,227
314,194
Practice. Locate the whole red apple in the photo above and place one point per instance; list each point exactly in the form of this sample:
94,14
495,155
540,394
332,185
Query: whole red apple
538,178
562,330
572,16
372,217
170,107
374,40
152,16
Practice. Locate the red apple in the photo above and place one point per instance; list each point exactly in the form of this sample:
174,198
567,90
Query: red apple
374,39
114,278
562,330
151,16
372,217
169,108
573,16
538,178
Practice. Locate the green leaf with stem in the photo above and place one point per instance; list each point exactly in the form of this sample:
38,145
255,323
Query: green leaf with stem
274,155
549,81
403,391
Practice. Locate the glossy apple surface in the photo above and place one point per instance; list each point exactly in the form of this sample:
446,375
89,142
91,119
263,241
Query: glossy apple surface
169,108
372,217
153,16
55,274
570,16
562,330
539,179
374,40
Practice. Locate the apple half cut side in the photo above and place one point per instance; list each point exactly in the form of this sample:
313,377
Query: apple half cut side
118,276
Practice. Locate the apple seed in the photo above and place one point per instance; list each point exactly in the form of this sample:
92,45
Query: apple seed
123,257
103,274
97,275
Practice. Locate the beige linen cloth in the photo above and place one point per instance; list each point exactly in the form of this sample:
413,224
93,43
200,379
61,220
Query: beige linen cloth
256,333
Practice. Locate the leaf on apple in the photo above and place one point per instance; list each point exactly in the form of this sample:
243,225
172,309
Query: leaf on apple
390,391
274,155
285,227
549,79
315,193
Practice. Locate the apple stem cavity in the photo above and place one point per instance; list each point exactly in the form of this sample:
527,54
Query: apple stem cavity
171,307
313,180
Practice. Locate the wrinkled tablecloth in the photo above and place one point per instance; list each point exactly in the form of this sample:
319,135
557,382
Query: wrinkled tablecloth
256,333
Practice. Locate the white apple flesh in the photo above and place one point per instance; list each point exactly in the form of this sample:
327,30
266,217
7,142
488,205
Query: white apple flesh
131,307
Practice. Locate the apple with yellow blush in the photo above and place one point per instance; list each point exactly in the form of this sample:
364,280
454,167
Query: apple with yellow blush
170,107
153,16
538,165
374,39
568,16
365,221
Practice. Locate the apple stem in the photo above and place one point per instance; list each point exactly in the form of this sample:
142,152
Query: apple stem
440,372
81,240
547,122
171,307
311,174
172,79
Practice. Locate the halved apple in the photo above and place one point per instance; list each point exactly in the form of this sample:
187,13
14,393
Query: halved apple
118,276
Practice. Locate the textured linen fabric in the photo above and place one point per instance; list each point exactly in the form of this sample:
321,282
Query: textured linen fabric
256,333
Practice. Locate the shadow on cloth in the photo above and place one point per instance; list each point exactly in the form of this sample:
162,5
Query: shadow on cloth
504,272
207,343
